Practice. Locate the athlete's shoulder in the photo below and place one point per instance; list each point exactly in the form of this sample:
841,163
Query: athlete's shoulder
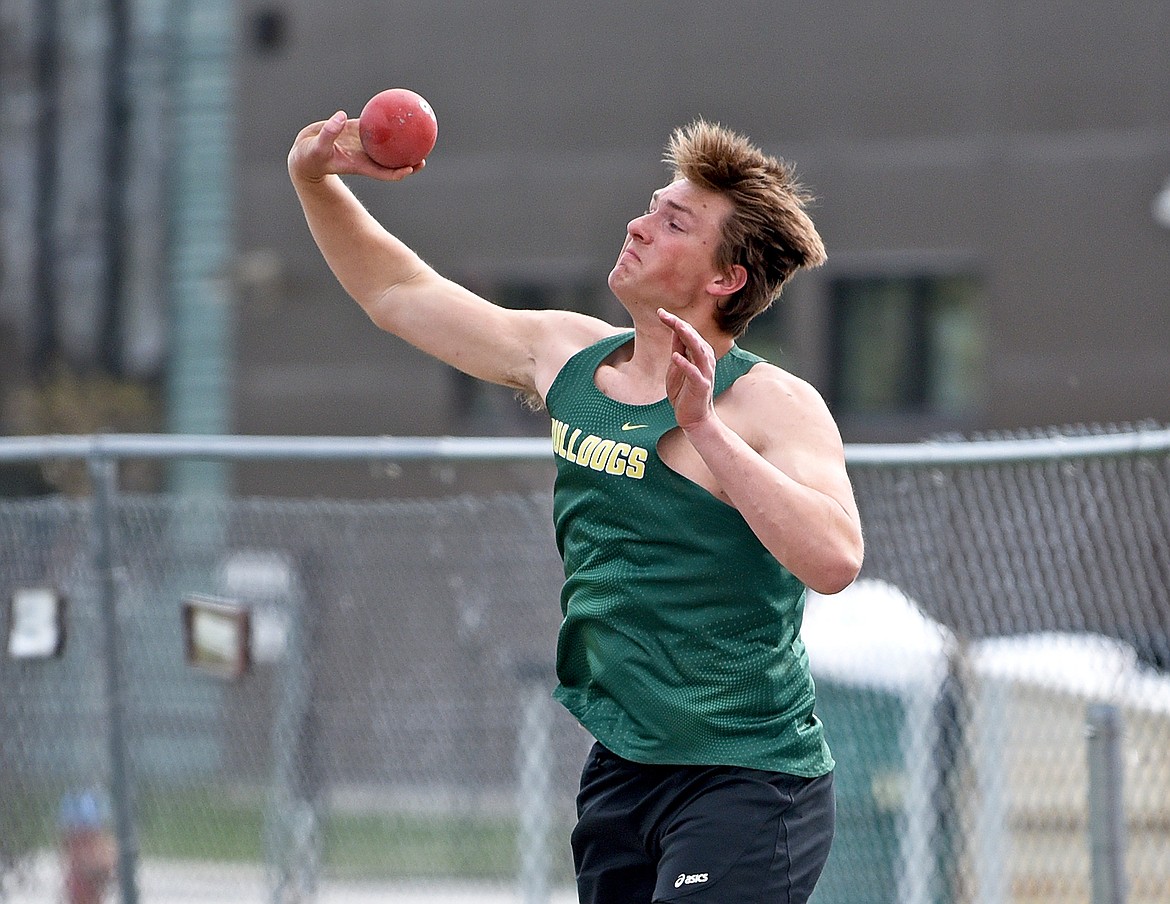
768,383
769,405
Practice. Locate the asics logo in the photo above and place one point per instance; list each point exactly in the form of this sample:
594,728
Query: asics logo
693,879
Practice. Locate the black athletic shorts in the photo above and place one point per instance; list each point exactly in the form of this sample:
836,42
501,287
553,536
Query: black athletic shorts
705,834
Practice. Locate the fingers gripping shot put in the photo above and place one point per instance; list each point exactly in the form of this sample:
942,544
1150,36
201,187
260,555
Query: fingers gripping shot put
398,128
700,490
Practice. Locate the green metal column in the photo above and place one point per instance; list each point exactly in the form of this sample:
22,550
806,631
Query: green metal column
200,374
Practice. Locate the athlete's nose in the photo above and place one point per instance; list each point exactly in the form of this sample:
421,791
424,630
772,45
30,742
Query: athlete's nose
637,228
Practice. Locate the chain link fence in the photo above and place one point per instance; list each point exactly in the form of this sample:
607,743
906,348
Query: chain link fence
216,698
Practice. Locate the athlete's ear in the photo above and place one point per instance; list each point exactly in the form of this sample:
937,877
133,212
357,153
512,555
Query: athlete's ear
729,281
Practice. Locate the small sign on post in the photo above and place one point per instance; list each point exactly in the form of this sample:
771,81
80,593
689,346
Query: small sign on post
217,636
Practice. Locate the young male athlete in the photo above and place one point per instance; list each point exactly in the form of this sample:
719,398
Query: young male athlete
699,491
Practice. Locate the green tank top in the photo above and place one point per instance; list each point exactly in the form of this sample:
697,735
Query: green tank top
680,642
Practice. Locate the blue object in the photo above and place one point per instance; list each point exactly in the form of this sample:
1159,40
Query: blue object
88,809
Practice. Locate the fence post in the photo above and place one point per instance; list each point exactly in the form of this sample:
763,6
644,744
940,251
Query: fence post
291,824
534,758
992,820
1106,804
103,473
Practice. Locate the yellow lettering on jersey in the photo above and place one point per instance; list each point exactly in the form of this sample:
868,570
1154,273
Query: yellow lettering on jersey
597,453
586,449
569,454
616,463
600,454
636,463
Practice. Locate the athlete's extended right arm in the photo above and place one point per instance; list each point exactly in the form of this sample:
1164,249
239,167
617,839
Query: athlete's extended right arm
393,285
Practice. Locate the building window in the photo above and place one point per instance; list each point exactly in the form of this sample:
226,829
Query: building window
907,345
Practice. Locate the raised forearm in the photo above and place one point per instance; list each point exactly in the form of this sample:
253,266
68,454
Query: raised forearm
810,532
366,259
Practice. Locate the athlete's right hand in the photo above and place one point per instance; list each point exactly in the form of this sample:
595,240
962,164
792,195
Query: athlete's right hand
334,147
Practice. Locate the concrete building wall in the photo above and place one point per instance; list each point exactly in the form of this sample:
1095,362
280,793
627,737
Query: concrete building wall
1026,142
1021,143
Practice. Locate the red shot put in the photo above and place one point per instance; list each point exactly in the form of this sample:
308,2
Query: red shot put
398,128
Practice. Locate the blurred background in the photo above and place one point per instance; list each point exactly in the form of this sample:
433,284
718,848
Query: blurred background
992,182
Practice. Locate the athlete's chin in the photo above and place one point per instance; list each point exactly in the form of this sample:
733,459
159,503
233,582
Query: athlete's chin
622,291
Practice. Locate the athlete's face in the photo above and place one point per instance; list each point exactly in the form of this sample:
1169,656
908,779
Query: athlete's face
668,258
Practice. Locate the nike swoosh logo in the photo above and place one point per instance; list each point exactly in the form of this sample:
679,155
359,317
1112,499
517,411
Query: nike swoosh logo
628,426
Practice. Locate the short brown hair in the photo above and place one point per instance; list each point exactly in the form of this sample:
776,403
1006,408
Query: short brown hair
768,232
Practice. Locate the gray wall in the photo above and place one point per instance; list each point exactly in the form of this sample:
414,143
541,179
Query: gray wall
1027,140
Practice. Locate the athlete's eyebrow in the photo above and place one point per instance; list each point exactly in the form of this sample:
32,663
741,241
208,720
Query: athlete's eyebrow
680,208
672,204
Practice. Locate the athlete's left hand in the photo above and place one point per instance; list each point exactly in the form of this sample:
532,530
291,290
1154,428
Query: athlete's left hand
690,376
